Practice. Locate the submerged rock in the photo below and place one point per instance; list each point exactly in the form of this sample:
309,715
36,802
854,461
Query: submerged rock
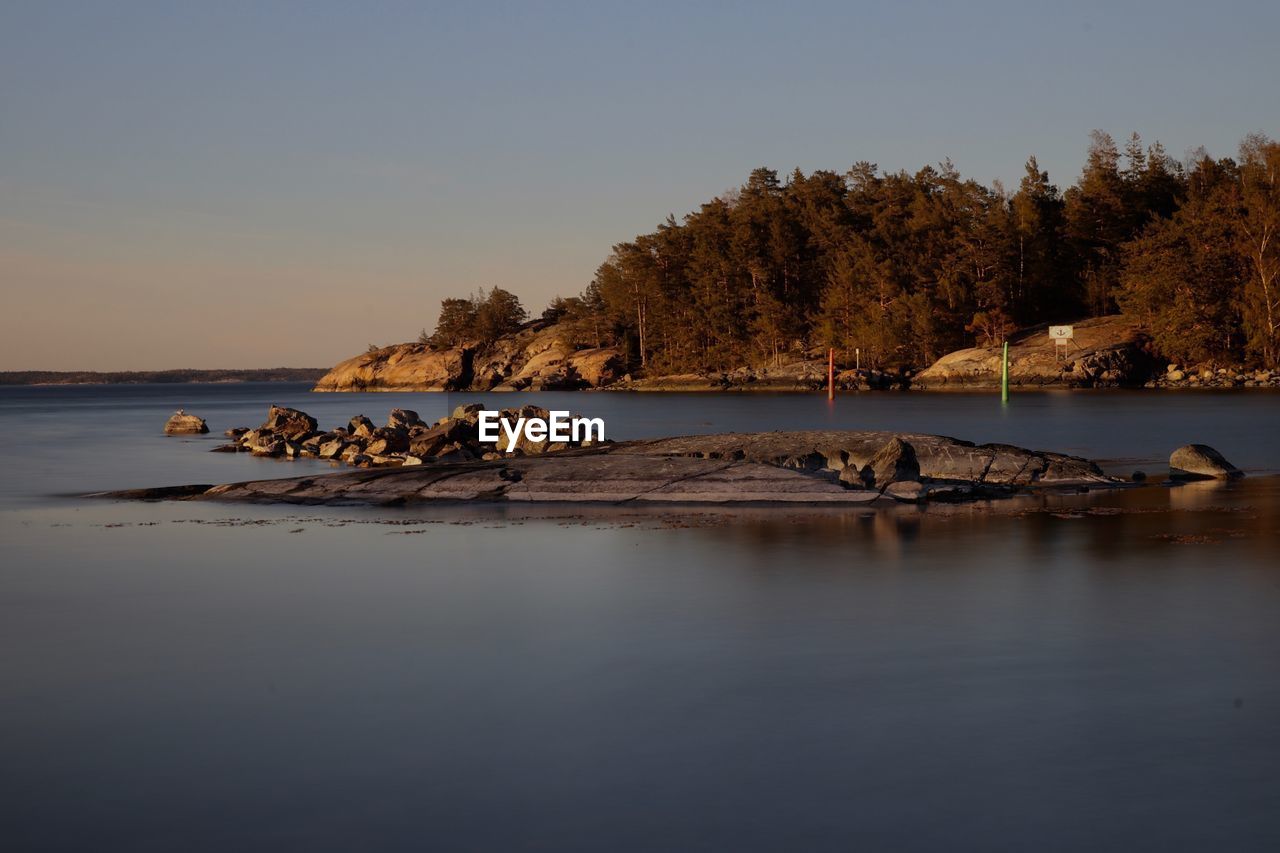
1201,462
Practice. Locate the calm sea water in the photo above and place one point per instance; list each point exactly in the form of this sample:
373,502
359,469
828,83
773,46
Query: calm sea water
1093,672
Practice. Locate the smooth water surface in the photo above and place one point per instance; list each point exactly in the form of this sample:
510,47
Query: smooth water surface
1082,672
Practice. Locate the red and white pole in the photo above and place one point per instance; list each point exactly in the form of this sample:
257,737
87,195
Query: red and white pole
831,373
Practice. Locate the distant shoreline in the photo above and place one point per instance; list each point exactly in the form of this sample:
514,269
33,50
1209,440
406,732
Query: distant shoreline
32,378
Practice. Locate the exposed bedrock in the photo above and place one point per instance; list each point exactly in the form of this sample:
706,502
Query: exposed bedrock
1105,352
778,467
538,357
878,459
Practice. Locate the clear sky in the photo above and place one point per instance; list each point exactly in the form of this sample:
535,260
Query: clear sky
260,184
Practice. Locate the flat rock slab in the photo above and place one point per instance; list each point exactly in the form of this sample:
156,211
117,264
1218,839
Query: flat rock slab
791,467
599,477
622,477
941,458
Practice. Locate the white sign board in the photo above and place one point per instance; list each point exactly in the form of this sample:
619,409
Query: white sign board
1062,333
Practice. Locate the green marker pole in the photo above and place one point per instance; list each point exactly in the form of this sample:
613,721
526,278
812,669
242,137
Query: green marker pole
1004,375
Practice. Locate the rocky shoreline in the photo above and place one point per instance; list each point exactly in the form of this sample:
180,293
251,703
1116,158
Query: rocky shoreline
1106,352
1183,377
405,439
409,461
536,358
820,467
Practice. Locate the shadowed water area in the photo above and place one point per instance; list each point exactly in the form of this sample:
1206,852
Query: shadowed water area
1052,672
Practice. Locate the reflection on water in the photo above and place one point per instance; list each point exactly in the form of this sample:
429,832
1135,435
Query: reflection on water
1061,672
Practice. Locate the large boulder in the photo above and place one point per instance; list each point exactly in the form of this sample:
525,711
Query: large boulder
1201,462
332,449
388,440
527,412
455,452
274,447
259,441
180,423
894,463
361,426
599,366
404,418
434,440
403,367
545,360
289,423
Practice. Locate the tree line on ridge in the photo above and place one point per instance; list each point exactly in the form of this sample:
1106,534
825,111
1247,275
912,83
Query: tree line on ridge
905,267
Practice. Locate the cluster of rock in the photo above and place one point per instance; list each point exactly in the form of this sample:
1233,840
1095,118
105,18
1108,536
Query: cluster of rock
408,461
804,375
539,357
827,467
405,439
1105,352
1179,376
903,466
180,423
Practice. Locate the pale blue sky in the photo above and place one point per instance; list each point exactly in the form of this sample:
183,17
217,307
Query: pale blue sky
256,184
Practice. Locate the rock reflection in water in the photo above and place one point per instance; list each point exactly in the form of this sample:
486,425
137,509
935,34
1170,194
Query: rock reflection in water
1119,524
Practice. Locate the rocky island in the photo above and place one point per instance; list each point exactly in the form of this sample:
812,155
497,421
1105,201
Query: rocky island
782,467
1107,352
409,461
180,423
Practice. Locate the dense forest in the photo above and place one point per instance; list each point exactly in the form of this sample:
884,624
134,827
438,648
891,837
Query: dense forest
906,267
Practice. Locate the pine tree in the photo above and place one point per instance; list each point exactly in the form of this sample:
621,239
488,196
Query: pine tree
1097,223
1259,244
